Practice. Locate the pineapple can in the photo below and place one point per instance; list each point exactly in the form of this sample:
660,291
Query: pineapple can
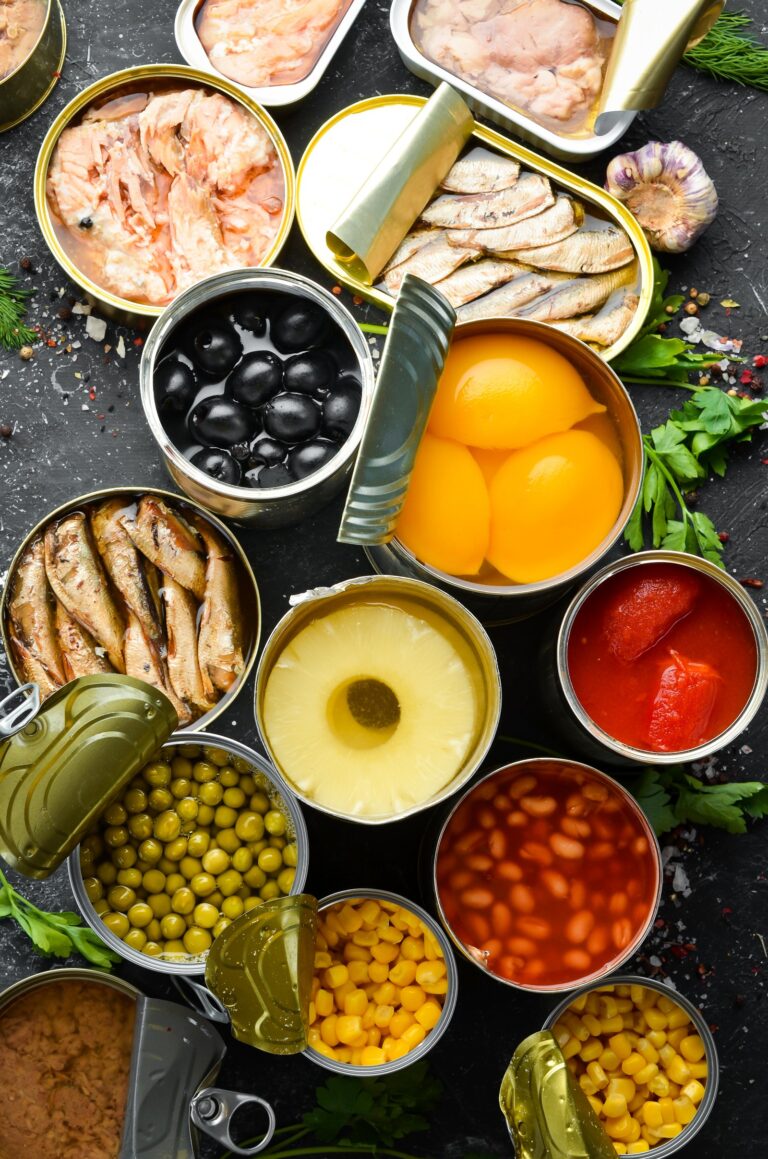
401,593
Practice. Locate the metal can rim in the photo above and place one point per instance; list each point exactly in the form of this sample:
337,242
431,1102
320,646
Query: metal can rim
598,977
449,1005
104,493
121,78
433,595
209,290
664,1150
759,687
196,966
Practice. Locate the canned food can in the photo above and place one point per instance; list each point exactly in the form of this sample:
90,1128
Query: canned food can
25,89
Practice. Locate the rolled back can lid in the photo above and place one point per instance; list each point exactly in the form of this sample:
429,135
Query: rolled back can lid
261,966
414,356
70,761
547,1113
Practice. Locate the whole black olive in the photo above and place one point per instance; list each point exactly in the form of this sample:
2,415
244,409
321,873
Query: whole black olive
256,378
248,313
175,385
216,349
267,451
310,457
312,373
292,418
265,477
221,422
217,463
340,410
300,326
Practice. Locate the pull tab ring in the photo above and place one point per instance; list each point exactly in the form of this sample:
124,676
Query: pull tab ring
201,999
212,1110
18,709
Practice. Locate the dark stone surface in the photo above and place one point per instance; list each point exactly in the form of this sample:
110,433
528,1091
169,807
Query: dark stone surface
78,425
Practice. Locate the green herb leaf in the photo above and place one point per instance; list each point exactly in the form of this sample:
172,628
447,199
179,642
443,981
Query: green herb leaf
654,800
373,1111
671,797
60,934
13,307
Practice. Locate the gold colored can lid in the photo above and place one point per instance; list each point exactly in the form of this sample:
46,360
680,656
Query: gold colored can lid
261,969
547,1112
60,770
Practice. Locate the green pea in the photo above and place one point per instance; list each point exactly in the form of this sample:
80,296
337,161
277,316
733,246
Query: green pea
115,814
140,915
216,756
182,767
274,823
187,808
160,799
228,840
116,922
167,826
250,826
197,940
107,873
140,826
229,778
204,771
206,915
94,889
216,861
291,855
121,898
153,881
210,793
260,802
183,901
224,818
285,880
125,857
203,884
115,835
173,926
175,850
242,859
150,850
130,877
157,773
270,860
135,801
229,882
181,787
198,843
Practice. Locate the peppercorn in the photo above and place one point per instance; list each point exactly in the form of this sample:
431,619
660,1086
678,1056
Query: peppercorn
26,264
65,313
6,430
703,298
26,353
691,308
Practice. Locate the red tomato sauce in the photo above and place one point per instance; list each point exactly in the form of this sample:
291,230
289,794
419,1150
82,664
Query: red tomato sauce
547,875
662,657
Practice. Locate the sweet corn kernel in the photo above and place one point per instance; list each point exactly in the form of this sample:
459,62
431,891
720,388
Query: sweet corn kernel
595,1104
678,1019
651,1114
698,1070
329,1031
598,1075
620,1045
325,1050
656,1019
667,1108
374,1036
561,1034
678,1070
649,1071
322,959
369,1017
323,1003
692,1048
618,1128
592,1024
313,1036
669,1130
612,1025
657,1038
365,938
378,971
666,1004
428,1015
634,1131
591,1050
676,1036
647,1050
340,992
356,1002
391,934
586,1084
439,987
369,911
372,1056
349,1027
694,1091
579,1004
431,947
615,1106
358,972
637,1101
571,1048
633,1064
609,1061
412,949
350,919
397,1050
621,1086
383,1016
383,951
660,1086
428,973
385,994
414,1035
400,1023
684,1110
607,1006
638,1148
620,1148
411,998
403,973
335,976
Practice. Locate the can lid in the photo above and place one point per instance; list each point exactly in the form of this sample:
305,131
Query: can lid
547,1112
261,969
414,356
70,761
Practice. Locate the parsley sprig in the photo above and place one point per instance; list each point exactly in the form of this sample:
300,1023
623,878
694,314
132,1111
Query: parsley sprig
55,934
671,797
13,307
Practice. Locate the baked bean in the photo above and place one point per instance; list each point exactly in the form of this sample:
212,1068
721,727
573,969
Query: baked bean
477,898
597,942
555,882
510,966
521,786
567,847
492,947
468,841
479,926
595,792
600,851
522,899
461,879
577,960
521,947
538,806
509,871
576,806
578,894
501,919
532,970
533,851
575,827
579,927
480,862
534,927
621,932
640,846
497,844
486,817
618,904
501,803
517,820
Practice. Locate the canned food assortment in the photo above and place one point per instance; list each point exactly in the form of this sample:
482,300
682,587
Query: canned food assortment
198,838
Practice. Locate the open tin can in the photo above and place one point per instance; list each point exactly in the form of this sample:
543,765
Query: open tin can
589,738
509,875
128,81
25,89
275,506
663,1148
175,1058
497,602
419,599
250,604
270,95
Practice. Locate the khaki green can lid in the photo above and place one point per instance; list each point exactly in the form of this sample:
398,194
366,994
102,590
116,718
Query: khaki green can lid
261,969
59,771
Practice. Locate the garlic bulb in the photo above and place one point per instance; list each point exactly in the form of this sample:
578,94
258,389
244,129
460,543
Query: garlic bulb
668,190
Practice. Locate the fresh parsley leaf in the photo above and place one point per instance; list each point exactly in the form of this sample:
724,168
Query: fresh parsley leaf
654,800
671,797
373,1111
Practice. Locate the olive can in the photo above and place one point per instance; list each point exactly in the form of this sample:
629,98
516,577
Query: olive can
663,1149
25,89
576,726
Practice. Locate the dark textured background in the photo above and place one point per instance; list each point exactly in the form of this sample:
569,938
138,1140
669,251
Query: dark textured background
66,442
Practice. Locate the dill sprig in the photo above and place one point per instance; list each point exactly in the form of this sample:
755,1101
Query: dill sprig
13,307
727,53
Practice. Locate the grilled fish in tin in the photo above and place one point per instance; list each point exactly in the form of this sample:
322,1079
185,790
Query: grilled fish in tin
605,328
123,564
507,301
79,651
470,282
481,172
554,223
31,609
219,648
578,296
590,251
432,263
181,631
165,539
530,194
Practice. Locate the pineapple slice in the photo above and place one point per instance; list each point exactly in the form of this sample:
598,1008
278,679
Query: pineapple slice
371,709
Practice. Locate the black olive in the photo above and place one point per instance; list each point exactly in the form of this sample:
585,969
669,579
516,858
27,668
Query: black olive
312,373
241,451
267,451
250,315
300,326
292,418
340,409
217,463
221,422
86,223
175,385
310,457
216,349
256,378
266,477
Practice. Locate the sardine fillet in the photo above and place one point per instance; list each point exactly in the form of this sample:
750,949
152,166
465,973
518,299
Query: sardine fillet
124,565
508,300
411,244
219,641
181,628
578,296
142,661
553,224
590,251
31,611
165,539
472,281
432,263
78,647
481,171
531,194
604,328
79,583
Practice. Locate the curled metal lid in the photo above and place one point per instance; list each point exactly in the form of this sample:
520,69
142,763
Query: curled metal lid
414,356
260,968
63,767
547,1113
